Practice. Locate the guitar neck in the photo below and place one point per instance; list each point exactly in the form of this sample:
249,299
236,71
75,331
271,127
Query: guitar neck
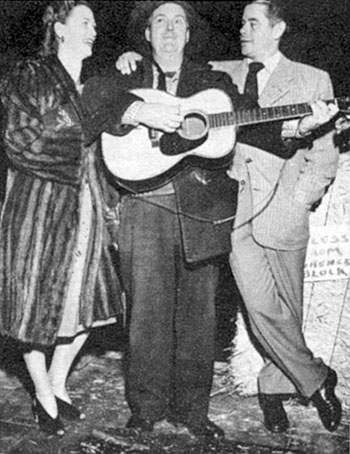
259,115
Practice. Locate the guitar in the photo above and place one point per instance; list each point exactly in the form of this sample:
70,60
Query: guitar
145,158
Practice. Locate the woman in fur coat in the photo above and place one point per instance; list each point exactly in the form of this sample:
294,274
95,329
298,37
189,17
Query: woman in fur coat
57,276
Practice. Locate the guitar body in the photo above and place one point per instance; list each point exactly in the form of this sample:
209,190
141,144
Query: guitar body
145,159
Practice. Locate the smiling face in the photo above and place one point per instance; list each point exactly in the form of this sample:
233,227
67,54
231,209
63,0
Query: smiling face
168,31
259,36
78,34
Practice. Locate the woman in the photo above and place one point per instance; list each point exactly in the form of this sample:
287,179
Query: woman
57,278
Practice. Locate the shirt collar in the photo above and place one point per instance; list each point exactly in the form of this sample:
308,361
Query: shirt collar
270,63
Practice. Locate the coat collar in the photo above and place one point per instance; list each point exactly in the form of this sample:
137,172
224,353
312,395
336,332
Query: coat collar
66,84
187,81
278,84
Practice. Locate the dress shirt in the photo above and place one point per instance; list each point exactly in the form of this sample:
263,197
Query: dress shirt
269,66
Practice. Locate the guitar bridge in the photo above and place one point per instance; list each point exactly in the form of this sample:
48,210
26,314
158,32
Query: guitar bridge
153,135
155,143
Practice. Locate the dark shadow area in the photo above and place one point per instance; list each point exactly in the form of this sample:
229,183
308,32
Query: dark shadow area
12,363
107,338
226,303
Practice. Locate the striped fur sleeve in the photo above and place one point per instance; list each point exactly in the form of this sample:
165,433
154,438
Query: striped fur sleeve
42,136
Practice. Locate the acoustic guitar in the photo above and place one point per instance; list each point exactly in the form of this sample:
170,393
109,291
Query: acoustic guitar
146,158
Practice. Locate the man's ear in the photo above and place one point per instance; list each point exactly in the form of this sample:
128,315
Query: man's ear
148,34
279,29
59,29
187,35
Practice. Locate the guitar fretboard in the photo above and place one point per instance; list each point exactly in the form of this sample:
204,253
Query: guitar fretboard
258,115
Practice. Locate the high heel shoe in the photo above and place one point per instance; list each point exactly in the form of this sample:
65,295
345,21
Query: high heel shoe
52,426
69,411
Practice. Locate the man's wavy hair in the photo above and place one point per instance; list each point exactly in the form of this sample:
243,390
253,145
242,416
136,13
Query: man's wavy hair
275,9
56,11
140,20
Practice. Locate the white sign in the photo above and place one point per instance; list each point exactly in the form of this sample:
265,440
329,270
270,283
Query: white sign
328,253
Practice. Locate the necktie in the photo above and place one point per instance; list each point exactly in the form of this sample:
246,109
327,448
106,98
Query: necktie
162,79
251,83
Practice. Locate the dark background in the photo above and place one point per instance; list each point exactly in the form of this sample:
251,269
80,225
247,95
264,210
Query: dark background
319,32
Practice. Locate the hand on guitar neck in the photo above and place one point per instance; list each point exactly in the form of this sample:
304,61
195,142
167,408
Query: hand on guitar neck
342,123
322,113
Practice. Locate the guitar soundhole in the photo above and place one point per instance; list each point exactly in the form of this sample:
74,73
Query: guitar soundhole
194,126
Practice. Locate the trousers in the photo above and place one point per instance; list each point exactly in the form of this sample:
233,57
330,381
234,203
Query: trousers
271,284
172,314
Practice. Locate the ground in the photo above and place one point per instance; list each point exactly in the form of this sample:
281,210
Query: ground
97,386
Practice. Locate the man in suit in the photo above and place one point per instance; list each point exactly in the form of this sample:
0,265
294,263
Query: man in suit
271,228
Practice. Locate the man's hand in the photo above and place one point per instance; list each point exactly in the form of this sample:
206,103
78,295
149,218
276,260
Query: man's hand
127,62
342,124
322,113
160,116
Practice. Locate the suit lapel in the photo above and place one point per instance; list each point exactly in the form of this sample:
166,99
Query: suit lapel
184,86
278,85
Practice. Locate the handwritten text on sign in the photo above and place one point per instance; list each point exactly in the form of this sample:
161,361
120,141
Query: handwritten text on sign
328,253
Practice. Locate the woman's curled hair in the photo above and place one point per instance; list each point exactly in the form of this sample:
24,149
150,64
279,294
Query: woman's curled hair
56,11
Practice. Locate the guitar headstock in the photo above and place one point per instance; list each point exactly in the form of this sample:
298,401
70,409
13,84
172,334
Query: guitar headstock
343,104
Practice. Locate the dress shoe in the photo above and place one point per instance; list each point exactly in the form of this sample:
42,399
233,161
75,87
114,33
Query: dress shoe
275,417
140,424
69,411
206,430
327,403
47,424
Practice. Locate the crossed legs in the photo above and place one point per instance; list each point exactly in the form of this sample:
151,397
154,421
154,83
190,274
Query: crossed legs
271,283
